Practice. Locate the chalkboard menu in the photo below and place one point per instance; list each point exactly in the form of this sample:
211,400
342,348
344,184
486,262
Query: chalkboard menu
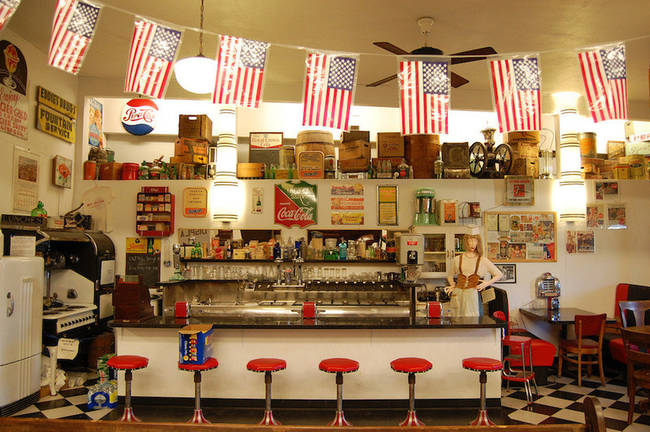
143,258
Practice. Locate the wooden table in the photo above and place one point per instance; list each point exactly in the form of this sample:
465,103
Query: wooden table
562,316
643,330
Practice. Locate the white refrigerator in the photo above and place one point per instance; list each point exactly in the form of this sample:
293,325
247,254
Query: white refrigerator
21,323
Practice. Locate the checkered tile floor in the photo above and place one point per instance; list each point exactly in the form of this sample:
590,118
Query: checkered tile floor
559,402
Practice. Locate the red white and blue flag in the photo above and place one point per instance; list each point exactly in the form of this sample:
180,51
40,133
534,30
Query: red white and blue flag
7,9
424,96
329,89
240,72
153,51
72,31
517,93
604,74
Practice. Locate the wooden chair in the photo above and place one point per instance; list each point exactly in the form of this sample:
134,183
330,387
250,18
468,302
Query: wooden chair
638,365
585,326
638,309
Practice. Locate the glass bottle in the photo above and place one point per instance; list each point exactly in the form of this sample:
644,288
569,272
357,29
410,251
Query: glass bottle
403,169
343,250
438,166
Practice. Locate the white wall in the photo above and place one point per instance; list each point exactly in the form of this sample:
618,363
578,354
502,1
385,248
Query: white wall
57,200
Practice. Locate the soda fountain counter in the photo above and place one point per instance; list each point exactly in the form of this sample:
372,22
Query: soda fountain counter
371,321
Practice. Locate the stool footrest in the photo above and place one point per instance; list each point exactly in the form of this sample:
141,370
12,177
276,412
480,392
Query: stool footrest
198,418
339,420
411,420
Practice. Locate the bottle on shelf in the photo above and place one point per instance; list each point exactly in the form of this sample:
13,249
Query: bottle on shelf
438,166
403,169
277,250
343,250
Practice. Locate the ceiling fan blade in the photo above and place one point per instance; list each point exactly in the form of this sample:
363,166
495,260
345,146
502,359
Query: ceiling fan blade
382,81
457,80
390,47
478,51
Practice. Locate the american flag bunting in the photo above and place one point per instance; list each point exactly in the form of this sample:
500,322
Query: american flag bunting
329,89
7,9
517,93
604,74
72,31
240,72
424,96
153,50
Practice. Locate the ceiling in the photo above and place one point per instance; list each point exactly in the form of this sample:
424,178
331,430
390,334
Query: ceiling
352,25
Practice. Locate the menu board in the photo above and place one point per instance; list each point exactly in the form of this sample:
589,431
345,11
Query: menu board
521,236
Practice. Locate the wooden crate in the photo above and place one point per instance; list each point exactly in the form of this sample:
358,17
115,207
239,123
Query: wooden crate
455,155
390,145
183,146
354,165
356,149
524,149
250,170
195,126
110,171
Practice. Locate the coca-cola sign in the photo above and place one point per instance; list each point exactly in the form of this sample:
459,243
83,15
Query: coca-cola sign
295,204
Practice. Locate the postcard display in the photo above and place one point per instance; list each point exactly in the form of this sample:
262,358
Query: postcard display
521,236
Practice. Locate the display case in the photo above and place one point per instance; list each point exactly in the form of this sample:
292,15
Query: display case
441,245
155,212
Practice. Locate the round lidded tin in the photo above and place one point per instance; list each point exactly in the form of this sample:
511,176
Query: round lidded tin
587,144
637,163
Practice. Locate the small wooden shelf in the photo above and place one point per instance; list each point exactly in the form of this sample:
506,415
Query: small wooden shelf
143,228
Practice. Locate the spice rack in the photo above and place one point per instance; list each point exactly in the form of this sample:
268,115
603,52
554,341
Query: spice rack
154,212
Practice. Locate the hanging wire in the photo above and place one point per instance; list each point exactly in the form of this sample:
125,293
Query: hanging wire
201,33
300,47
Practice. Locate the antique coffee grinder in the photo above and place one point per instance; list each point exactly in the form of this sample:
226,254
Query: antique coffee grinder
485,161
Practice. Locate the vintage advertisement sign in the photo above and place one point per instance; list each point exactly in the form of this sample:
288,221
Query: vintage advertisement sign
265,140
25,190
139,116
55,124
56,102
96,120
347,204
195,202
295,204
13,90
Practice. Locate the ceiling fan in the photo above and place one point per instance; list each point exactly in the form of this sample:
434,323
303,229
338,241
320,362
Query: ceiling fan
425,24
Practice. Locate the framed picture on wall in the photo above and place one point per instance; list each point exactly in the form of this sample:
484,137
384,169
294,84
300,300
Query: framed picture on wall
520,190
62,171
509,273
387,205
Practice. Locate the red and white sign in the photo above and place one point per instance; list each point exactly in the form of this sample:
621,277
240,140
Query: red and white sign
294,208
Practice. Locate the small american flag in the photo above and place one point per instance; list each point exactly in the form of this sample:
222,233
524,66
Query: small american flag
329,87
7,9
516,85
72,31
240,72
604,75
424,96
153,50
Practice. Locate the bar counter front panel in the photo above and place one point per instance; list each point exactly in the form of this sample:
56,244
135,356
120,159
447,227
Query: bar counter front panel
374,343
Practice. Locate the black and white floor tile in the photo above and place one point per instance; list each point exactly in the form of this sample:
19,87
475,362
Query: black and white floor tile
559,402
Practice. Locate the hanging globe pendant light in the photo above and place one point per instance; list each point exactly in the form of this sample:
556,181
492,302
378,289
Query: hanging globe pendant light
197,74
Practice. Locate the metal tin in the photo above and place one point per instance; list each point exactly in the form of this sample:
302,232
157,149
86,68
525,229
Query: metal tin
587,144
637,170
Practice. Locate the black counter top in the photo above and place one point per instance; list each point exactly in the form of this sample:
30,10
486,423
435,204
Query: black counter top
320,323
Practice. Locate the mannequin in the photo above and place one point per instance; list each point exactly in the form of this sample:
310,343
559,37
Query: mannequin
469,267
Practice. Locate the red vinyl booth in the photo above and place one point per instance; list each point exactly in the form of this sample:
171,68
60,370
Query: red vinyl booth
625,292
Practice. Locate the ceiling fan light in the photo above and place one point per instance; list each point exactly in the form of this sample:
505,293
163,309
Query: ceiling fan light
196,74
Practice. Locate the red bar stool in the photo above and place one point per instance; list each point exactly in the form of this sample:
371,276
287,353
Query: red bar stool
524,375
128,363
210,363
482,365
411,366
267,365
339,366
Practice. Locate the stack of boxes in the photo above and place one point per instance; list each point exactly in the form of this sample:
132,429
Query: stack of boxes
354,152
191,147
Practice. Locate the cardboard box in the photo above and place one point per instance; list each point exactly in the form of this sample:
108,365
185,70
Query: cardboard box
390,145
354,165
357,149
193,343
183,146
355,135
615,149
195,126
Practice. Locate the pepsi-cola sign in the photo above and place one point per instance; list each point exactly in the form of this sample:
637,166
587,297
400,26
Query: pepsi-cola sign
139,116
